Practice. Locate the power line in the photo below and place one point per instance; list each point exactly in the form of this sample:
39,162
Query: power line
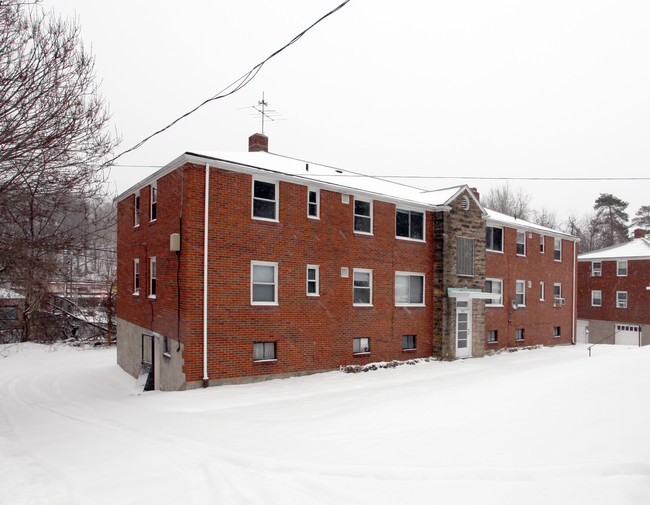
235,85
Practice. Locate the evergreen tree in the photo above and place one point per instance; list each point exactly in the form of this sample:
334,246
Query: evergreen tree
611,219
642,218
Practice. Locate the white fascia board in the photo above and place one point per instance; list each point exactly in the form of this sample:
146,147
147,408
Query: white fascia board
522,225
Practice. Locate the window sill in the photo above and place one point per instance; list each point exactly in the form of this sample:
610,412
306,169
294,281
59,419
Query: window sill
495,306
494,342
519,340
152,221
136,226
362,305
264,360
315,218
152,297
494,251
167,355
410,305
265,219
313,295
361,354
409,239
521,255
409,350
469,276
264,304
137,293
367,234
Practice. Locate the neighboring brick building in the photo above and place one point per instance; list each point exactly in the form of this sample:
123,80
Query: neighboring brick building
306,268
532,266
614,293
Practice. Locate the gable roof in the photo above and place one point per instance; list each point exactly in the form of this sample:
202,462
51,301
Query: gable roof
498,218
638,248
312,174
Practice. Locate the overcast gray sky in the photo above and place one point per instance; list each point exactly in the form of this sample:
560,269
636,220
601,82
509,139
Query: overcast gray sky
463,88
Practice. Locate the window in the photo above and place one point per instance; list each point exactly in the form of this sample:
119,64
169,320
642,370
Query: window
136,276
264,283
362,286
408,342
409,288
263,351
519,334
541,244
492,336
557,249
313,204
521,243
556,331
152,277
9,313
361,346
621,268
154,201
265,200
312,280
362,216
541,291
409,224
596,268
464,256
494,286
596,298
621,299
494,239
166,346
136,212
557,290
520,290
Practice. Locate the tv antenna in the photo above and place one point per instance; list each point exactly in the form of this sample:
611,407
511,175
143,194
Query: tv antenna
264,112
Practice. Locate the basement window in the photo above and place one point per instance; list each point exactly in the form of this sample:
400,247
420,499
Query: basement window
361,346
408,342
519,335
264,351
492,336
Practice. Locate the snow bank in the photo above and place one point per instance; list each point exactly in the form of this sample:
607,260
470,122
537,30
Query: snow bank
540,426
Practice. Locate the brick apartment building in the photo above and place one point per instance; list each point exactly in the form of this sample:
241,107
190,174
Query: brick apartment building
305,268
614,293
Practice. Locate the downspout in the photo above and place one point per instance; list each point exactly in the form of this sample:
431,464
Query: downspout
573,308
205,276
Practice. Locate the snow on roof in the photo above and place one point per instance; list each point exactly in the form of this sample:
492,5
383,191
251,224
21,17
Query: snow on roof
494,217
9,294
313,173
639,248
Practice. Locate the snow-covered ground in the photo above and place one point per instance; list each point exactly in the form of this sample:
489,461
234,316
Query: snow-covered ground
537,427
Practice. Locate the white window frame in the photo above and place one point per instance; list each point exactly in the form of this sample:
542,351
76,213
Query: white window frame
356,271
557,290
276,202
316,281
358,346
521,233
136,276
496,336
542,291
153,276
354,215
408,275
522,292
466,240
596,272
265,346
596,294
410,213
153,201
316,203
619,303
136,210
621,268
415,343
542,245
523,334
557,248
274,283
488,302
502,235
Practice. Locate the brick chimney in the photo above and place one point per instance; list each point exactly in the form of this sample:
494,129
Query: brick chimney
639,233
476,194
258,142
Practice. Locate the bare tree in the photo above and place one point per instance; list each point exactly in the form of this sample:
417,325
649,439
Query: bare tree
54,136
586,228
546,217
506,200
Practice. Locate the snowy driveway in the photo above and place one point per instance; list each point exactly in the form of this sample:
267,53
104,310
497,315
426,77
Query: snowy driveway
535,427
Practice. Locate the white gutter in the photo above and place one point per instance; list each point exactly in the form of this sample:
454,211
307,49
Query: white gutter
573,314
205,275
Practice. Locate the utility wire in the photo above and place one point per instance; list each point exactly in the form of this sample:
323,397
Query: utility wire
235,85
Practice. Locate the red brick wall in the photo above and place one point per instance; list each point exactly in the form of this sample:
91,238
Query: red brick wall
538,317
638,298
312,333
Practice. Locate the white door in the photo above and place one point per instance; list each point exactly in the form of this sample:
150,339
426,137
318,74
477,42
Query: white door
582,337
463,329
627,334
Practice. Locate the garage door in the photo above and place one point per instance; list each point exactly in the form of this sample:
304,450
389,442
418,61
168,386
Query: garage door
627,334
